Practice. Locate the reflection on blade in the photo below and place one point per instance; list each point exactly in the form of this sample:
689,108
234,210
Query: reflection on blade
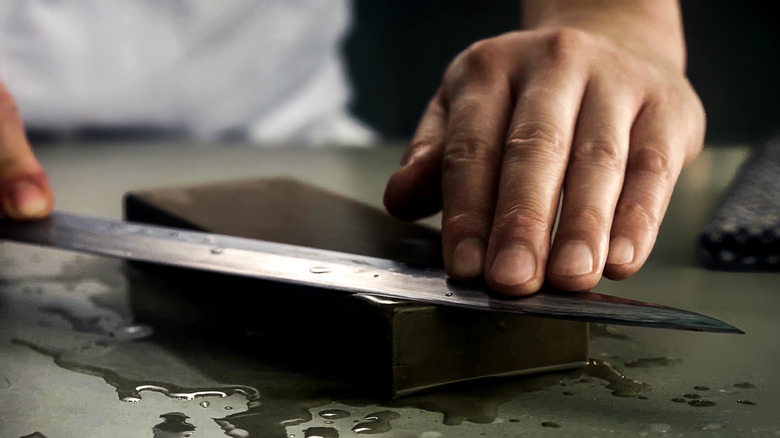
332,270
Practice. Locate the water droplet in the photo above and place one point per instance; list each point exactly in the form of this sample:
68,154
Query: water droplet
679,400
320,270
692,396
228,408
550,424
701,403
449,294
132,332
746,402
514,420
320,432
660,427
569,393
712,426
701,388
744,385
334,414
642,397
653,362
217,251
378,422
205,404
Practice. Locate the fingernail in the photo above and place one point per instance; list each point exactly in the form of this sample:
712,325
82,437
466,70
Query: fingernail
574,258
513,265
28,199
621,251
468,257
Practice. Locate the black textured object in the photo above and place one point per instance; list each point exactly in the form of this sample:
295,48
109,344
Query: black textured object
744,231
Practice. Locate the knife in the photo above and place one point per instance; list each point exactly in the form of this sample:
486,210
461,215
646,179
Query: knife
333,270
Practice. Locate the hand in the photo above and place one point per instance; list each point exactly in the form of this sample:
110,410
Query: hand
526,117
24,189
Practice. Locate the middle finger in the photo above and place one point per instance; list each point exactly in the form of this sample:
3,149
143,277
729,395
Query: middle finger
535,157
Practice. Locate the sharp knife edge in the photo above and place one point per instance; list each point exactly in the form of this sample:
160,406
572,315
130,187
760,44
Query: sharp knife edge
332,270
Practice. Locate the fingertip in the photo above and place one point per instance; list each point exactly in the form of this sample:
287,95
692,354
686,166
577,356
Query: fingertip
619,272
520,290
468,259
582,283
574,266
27,197
413,191
514,271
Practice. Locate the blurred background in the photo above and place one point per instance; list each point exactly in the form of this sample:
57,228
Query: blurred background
394,53
397,51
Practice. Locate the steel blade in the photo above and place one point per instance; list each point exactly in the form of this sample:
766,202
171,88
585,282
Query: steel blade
332,270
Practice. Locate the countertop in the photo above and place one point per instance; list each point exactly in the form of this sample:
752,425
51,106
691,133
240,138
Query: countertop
69,347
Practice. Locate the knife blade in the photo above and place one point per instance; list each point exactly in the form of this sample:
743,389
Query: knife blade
333,270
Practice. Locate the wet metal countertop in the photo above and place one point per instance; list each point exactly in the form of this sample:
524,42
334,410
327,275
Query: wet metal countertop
72,362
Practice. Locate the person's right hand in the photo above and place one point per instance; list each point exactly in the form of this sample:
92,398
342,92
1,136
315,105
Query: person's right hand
24,189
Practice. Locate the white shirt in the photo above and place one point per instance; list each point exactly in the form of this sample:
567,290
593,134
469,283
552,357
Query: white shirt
269,68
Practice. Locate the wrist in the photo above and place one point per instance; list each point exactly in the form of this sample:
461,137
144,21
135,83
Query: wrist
652,30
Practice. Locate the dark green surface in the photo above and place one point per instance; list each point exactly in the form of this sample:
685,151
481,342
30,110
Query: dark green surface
54,303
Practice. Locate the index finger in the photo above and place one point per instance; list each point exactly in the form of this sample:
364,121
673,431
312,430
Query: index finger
24,189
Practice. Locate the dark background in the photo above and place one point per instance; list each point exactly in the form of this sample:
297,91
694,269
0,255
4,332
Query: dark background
397,51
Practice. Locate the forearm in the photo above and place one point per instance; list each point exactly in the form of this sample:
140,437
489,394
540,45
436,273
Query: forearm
634,24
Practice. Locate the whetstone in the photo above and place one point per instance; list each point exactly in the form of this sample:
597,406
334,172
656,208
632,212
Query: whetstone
403,346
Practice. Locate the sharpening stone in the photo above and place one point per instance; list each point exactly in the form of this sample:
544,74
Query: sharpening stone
395,347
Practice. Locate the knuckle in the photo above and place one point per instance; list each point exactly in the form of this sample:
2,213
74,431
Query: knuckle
637,215
464,223
530,218
586,218
564,44
463,151
481,56
654,161
599,152
536,139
